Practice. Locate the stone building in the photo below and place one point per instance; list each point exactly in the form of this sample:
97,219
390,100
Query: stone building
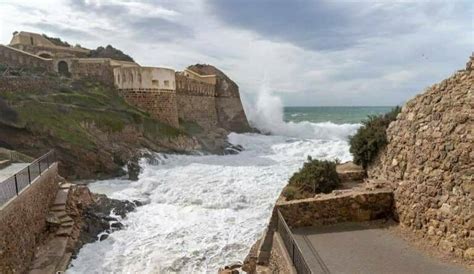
200,94
38,44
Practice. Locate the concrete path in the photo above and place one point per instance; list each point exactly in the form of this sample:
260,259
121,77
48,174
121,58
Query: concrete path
360,248
10,170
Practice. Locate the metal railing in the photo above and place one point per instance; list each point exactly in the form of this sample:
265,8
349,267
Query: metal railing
292,247
13,185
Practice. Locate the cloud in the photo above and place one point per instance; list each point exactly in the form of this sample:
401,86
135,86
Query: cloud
308,52
144,21
334,25
61,30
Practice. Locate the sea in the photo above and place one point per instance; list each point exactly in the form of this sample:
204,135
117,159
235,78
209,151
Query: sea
202,212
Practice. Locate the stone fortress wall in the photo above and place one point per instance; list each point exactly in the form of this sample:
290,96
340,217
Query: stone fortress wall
37,44
150,89
200,94
430,157
17,58
196,100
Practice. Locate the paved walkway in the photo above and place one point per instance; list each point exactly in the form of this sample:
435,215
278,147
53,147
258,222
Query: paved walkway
10,170
360,248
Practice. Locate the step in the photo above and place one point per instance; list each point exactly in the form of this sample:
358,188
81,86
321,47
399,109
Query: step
58,208
67,224
66,219
60,214
61,197
64,231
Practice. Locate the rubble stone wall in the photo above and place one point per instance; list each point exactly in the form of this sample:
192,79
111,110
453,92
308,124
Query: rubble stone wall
430,158
359,206
160,104
23,221
25,83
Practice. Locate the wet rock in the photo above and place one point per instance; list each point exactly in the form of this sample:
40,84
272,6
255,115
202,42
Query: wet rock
232,149
95,214
133,168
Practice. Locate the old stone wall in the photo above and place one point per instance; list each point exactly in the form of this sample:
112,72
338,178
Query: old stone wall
199,109
358,206
17,58
230,112
196,101
430,157
160,104
25,83
54,51
99,69
23,221
144,78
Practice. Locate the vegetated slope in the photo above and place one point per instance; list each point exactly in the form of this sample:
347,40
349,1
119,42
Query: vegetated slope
94,131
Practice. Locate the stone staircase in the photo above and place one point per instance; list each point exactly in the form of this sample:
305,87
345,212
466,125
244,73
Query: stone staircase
52,256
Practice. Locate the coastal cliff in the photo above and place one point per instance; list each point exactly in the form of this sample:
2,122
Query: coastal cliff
429,158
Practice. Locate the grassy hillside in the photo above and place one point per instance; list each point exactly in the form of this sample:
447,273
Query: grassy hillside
94,129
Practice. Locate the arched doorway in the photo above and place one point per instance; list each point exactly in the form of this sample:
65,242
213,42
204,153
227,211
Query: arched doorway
63,68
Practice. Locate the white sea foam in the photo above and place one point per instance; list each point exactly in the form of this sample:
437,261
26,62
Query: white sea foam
202,212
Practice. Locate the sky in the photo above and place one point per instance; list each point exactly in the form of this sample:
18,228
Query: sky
307,52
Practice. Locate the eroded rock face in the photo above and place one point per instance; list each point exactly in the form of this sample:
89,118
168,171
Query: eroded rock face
430,155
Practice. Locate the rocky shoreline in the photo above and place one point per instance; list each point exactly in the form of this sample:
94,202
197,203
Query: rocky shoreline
95,216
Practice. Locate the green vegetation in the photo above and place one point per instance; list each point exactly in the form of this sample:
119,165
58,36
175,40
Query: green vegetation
57,41
316,176
68,113
371,137
110,52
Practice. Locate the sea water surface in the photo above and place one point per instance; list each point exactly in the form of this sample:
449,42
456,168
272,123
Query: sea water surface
203,212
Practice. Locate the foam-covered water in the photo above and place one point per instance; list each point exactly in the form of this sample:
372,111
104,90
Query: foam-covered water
203,212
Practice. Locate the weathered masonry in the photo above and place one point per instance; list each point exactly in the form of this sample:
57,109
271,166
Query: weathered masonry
200,94
24,205
150,89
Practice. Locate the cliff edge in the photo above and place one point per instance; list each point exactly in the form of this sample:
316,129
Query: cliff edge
429,157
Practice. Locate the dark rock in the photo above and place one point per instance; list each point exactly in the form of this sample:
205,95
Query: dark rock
133,168
232,149
97,219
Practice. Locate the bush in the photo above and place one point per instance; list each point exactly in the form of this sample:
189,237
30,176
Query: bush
371,137
316,176
7,114
110,52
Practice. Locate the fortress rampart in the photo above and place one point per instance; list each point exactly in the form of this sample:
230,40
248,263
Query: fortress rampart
201,93
17,58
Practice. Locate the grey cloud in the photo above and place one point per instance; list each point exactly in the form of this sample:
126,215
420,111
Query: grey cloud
332,25
144,28
63,31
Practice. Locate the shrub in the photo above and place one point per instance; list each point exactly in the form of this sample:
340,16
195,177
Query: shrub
316,176
110,52
7,114
371,137
290,192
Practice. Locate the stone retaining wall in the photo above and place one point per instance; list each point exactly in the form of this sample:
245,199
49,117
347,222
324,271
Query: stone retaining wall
430,154
359,206
199,109
26,84
23,222
16,58
160,104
